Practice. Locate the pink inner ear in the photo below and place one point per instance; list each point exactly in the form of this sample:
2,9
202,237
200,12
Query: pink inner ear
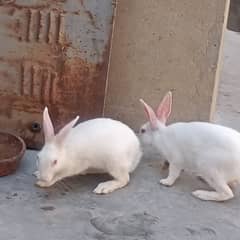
151,115
47,125
164,108
65,130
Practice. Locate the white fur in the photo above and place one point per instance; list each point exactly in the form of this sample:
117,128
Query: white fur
207,150
97,145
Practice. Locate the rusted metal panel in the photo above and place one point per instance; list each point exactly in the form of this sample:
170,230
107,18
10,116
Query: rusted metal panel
55,54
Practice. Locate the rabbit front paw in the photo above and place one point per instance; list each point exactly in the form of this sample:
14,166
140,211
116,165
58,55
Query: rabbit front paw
166,182
110,186
104,188
40,183
199,194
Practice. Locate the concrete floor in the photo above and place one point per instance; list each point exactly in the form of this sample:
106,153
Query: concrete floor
142,210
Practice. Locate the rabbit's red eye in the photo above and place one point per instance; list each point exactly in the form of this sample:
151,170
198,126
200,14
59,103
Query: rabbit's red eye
143,130
54,162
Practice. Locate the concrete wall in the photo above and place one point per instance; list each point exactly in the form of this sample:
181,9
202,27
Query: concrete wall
161,45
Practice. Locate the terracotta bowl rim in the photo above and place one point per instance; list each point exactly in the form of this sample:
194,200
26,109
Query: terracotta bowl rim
19,154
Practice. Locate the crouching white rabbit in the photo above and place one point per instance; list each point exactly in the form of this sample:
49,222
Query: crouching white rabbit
98,145
208,150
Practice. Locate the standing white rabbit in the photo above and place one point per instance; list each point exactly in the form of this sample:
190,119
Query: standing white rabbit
208,150
97,145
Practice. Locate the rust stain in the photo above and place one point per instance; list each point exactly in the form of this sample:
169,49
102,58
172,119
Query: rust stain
90,15
52,87
15,26
32,73
39,5
21,78
58,27
92,18
48,23
6,107
4,74
28,17
68,86
20,7
38,25
10,11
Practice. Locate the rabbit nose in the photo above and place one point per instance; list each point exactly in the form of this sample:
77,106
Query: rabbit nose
45,177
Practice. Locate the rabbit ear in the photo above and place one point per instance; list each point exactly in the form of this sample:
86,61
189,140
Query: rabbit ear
164,108
151,114
65,130
48,129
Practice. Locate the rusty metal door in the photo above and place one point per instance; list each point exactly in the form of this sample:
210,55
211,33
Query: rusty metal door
52,53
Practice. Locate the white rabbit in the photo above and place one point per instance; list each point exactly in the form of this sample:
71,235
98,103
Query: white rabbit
208,150
97,145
